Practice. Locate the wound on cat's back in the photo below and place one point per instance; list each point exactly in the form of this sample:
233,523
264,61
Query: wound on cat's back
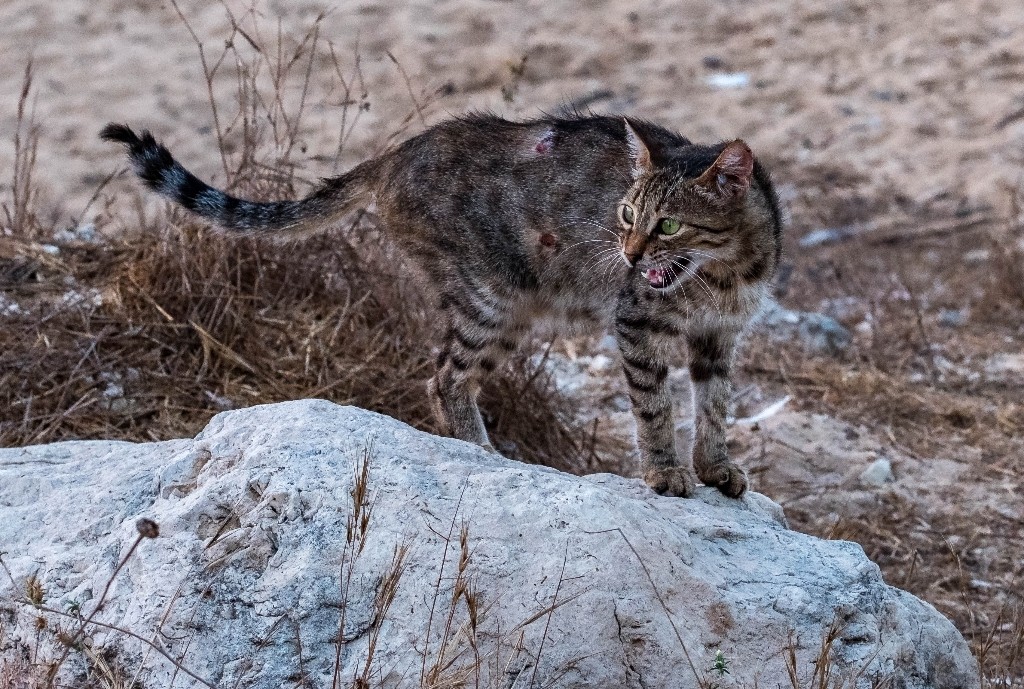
545,143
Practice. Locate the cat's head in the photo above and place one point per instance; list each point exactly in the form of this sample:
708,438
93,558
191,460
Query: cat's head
685,208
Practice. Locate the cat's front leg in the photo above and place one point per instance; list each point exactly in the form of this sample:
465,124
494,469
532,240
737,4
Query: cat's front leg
711,358
646,371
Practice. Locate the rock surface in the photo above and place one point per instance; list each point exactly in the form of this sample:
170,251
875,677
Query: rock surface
576,582
816,332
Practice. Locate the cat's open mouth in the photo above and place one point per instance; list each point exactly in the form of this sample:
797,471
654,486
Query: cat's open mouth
663,277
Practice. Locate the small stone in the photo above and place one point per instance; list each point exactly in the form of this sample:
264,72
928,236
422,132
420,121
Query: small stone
953,318
621,403
827,235
113,391
9,307
608,344
1005,365
219,401
816,331
728,80
878,473
86,232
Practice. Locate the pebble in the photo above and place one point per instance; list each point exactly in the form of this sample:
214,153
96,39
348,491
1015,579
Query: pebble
1002,365
827,235
816,331
953,318
878,473
728,80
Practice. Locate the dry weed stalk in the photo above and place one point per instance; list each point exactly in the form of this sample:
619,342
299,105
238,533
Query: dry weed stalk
1004,287
20,213
169,324
357,529
37,673
453,656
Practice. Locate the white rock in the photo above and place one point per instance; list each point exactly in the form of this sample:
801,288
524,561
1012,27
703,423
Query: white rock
252,517
728,80
815,331
9,307
878,473
1000,366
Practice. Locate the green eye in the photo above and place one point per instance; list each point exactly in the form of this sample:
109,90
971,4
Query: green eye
626,213
668,226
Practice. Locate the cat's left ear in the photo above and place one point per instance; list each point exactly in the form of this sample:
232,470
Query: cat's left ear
638,151
728,178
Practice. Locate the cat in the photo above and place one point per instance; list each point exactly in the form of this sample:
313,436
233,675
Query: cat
587,218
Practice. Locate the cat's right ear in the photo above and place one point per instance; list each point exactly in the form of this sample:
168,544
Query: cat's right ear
638,151
729,176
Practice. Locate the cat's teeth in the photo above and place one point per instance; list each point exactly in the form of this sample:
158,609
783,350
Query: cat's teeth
656,276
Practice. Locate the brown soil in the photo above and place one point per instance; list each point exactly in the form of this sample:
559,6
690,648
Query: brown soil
902,124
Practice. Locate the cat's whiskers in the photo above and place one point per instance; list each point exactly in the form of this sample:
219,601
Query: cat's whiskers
588,241
691,270
604,254
587,221
607,265
705,254
611,262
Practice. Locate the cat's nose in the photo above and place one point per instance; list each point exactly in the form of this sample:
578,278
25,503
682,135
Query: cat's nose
631,257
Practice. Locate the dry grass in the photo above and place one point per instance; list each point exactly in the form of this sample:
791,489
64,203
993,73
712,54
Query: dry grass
149,332
147,335
19,211
927,388
167,326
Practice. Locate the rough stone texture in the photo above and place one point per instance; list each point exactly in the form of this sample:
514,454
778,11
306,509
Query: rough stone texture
253,515
816,332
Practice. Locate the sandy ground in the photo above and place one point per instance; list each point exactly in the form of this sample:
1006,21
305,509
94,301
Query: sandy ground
905,102
873,116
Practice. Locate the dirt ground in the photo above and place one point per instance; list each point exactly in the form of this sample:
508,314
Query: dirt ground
896,128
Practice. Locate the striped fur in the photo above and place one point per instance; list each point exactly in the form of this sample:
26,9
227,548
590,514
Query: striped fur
555,219
158,169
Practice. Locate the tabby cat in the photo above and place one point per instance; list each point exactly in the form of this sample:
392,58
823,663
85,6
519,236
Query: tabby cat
584,219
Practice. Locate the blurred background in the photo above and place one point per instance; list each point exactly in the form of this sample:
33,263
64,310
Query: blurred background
881,402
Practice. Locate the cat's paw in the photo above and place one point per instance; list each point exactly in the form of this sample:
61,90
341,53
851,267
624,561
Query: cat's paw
726,477
675,482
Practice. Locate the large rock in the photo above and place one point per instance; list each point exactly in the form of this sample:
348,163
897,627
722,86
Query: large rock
574,582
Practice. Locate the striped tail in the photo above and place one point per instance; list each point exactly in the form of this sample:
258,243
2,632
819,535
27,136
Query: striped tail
155,165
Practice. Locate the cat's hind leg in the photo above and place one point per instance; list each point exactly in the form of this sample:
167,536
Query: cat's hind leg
476,341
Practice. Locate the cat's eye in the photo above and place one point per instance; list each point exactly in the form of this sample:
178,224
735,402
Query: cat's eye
668,226
626,214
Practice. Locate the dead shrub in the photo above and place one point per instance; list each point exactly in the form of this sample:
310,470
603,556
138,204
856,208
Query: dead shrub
146,336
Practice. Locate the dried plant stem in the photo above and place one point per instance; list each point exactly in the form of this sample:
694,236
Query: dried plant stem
547,622
437,587
127,632
20,214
